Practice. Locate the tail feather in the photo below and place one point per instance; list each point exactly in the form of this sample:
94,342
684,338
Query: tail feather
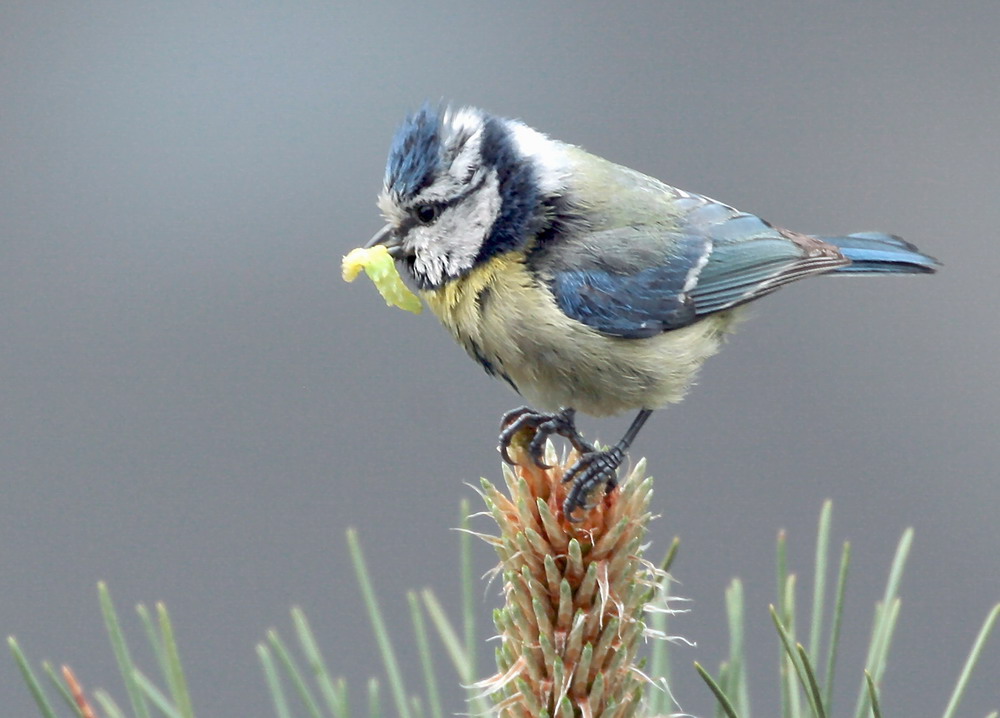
879,253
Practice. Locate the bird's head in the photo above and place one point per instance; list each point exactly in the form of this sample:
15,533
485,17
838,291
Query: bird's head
462,186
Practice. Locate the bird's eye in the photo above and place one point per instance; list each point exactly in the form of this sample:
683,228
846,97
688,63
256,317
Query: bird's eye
426,213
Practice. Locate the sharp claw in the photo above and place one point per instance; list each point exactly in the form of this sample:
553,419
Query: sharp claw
573,502
544,426
556,425
511,423
537,446
513,415
504,446
506,437
590,470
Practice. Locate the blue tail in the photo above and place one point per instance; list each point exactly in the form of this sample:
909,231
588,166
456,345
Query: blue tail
879,253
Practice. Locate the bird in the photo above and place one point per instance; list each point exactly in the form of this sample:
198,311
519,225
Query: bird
583,284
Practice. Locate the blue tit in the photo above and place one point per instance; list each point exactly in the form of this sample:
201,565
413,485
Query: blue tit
583,284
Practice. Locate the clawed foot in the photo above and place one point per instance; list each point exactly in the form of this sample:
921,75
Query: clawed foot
591,469
544,425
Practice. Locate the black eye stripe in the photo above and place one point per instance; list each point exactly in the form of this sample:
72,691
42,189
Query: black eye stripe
437,207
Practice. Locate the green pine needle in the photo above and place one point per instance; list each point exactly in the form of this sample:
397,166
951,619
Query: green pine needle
122,655
29,677
153,637
872,695
970,662
838,614
274,684
819,580
794,655
155,695
468,583
107,703
426,657
334,697
60,685
737,683
294,674
660,701
811,686
720,696
174,673
374,699
379,627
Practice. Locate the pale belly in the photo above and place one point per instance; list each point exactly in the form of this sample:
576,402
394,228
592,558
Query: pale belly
518,333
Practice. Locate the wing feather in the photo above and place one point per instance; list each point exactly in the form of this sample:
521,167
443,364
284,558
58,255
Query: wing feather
639,281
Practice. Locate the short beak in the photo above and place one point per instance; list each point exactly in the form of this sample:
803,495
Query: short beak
387,237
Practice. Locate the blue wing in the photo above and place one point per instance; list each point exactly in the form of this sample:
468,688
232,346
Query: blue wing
637,282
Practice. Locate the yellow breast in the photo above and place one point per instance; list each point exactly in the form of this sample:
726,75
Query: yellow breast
510,323
460,304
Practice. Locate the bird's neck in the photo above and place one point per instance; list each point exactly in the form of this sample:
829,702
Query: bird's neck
457,301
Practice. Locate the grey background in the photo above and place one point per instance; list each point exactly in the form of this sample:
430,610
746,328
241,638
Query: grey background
194,406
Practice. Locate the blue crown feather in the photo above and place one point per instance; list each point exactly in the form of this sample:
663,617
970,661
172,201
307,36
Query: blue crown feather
415,153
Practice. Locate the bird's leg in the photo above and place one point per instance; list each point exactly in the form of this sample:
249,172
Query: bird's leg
595,467
544,425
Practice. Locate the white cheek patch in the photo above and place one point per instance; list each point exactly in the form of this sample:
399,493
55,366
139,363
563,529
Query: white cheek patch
448,248
427,264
